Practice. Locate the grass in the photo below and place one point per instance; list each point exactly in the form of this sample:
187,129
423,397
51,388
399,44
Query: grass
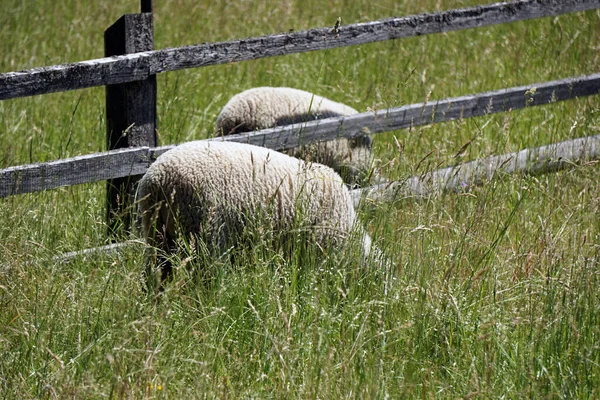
494,292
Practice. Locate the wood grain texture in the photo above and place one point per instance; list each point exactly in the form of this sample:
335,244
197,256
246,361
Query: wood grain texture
459,177
139,66
73,171
362,33
26,179
130,112
61,78
130,107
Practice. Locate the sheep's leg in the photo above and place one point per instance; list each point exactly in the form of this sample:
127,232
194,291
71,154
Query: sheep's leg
159,267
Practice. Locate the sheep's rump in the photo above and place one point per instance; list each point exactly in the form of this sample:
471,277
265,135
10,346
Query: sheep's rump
267,107
215,189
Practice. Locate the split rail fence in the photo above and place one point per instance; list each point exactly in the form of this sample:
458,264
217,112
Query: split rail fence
129,73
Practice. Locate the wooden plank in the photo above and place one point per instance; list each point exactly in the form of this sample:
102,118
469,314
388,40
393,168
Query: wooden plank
385,120
119,163
327,129
538,160
131,107
73,171
113,248
139,66
61,78
130,112
361,33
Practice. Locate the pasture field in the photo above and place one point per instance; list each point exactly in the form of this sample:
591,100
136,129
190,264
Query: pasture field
493,292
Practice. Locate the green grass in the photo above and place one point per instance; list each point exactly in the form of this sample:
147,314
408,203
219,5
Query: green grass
493,293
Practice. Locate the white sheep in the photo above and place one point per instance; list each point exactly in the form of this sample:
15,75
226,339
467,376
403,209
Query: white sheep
215,189
267,107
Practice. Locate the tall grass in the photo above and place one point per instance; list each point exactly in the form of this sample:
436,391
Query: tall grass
494,293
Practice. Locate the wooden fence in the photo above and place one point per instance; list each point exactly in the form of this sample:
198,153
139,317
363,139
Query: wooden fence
139,66
131,64
134,161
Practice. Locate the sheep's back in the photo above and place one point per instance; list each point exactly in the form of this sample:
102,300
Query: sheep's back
266,107
220,185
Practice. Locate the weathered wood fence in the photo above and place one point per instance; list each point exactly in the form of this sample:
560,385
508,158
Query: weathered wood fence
128,71
134,161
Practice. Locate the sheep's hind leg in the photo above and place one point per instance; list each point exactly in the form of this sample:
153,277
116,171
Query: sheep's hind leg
159,267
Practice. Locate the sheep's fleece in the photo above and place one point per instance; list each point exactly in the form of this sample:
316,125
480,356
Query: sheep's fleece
267,107
214,189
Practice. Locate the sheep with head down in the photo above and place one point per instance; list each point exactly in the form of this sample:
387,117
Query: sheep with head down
215,189
268,107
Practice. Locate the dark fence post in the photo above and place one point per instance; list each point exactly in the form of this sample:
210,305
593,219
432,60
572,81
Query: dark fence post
146,6
130,111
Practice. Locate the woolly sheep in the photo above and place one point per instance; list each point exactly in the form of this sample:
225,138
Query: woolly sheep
214,189
267,107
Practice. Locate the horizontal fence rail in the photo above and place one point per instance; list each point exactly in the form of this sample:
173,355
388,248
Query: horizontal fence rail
133,161
537,160
108,249
139,66
431,112
460,177
73,171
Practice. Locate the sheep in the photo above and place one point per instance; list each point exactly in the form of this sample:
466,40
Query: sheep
214,189
267,107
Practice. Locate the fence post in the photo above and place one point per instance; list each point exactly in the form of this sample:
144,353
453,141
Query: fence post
130,111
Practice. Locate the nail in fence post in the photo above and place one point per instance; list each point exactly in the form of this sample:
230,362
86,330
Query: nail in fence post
130,111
